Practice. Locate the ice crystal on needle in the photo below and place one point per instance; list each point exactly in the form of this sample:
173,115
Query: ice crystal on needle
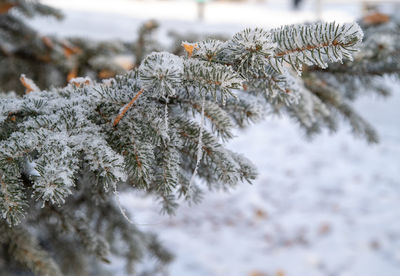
161,74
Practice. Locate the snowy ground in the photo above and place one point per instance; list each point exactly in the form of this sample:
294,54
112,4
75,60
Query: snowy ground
328,207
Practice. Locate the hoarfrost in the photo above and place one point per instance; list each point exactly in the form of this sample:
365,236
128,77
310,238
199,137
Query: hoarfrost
199,144
161,74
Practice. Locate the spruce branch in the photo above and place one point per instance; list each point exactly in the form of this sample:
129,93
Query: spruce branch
12,191
63,131
220,120
63,147
338,102
30,8
91,241
315,44
26,250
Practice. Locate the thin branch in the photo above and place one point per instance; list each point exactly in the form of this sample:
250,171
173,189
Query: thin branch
126,108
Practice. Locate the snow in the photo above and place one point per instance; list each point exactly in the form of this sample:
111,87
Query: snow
30,168
324,207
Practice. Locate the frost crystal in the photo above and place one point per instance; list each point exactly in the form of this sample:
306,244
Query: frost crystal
207,50
252,41
212,77
315,44
249,49
199,143
161,74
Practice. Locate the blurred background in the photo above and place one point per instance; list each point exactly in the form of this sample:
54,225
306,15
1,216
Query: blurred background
200,15
329,206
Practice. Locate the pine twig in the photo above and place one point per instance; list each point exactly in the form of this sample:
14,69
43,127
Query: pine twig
126,108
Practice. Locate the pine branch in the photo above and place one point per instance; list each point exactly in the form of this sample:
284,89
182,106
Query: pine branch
62,123
141,130
358,125
12,192
91,241
315,44
31,8
25,249
219,119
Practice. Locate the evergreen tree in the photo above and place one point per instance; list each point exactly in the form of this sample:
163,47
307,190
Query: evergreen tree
66,153
52,61
377,61
331,89
22,49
